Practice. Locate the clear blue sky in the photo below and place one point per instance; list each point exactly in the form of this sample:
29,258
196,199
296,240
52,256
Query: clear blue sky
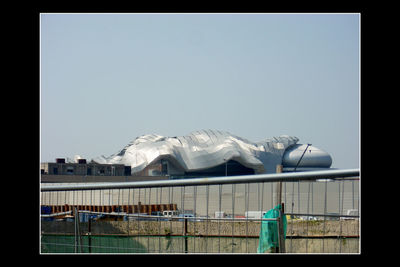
108,78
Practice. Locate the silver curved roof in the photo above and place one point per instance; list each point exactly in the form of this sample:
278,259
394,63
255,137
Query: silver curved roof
201,150
312,157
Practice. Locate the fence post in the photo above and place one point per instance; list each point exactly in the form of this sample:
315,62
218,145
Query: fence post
90,234
75,232
278,200
281,235
78,237
185,236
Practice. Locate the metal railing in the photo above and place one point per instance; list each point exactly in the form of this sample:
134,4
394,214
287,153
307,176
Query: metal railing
125,217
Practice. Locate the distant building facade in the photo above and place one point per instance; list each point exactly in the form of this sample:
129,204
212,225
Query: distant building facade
60,167
206,153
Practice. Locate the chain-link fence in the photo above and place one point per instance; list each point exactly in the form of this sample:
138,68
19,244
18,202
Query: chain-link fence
203,215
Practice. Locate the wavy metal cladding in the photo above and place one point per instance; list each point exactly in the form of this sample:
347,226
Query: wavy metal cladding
202,150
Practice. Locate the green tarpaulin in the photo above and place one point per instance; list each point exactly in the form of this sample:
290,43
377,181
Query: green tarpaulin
269,231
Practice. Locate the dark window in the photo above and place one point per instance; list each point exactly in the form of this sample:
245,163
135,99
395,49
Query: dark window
55,170
60,160
89,171
127,170
230,168
164,168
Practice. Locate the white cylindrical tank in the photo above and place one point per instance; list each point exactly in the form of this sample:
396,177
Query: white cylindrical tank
313,157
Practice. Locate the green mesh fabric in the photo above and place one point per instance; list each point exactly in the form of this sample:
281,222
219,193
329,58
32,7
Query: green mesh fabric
269,230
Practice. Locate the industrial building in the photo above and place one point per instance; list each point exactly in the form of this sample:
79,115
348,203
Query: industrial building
60,167
199,154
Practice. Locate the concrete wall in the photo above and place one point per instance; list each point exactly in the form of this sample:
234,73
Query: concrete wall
332,228
200,244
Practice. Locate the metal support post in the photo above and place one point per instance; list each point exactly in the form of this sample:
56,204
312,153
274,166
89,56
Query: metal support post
281,235
75,233
185,236
278,200
279,169
90,234
78,237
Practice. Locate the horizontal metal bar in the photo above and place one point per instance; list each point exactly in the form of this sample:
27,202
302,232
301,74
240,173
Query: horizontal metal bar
174,217
323,215
276,177
194,218
288,236
55,214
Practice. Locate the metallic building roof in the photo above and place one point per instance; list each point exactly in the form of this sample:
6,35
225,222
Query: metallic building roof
203,149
